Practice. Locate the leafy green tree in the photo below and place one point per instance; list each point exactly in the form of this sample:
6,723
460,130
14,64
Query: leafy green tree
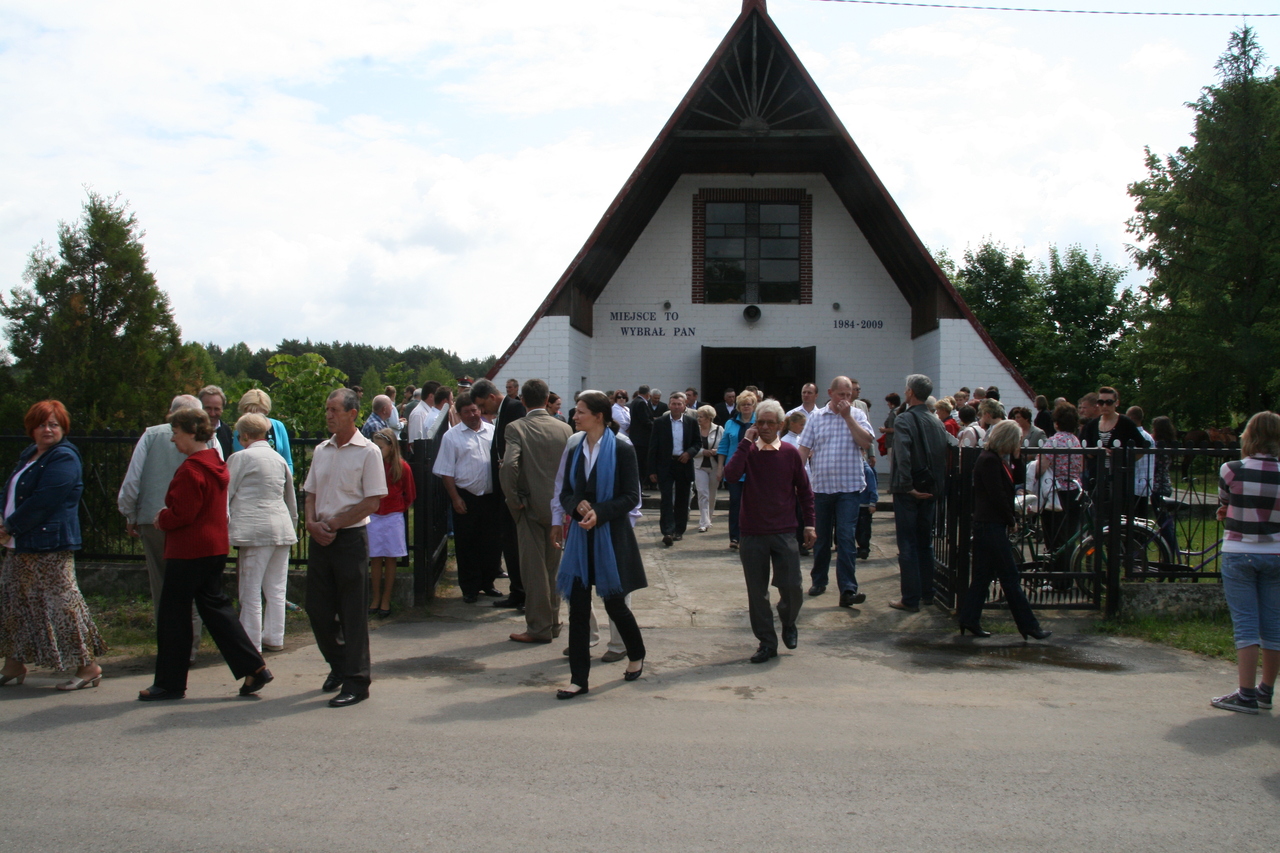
1079,334
92,328
1208,225
303,383
1000,288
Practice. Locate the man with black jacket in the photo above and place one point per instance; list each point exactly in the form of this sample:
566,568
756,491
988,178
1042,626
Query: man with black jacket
641,428
502,411
917,471
672,447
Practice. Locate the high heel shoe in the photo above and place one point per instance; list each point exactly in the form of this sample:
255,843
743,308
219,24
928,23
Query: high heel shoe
16,679
1039,634
632,676
975,630
78,683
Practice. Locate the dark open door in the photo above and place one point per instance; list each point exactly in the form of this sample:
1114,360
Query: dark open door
778,372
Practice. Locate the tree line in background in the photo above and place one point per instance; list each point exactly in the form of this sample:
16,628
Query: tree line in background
1198,340
93,329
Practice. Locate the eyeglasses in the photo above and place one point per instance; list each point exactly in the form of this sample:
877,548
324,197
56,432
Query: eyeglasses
1106,401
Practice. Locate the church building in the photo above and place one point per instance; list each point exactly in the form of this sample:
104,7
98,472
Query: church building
754,245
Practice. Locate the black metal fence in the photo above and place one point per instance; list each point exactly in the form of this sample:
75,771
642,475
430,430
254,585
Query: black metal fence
105,456
1076,548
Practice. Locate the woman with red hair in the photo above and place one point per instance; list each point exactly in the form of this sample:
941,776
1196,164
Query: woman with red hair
43,617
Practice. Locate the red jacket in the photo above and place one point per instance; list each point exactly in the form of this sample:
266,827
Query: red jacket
400,496
195,508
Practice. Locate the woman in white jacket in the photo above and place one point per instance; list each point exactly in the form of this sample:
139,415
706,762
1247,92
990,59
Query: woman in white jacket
263,526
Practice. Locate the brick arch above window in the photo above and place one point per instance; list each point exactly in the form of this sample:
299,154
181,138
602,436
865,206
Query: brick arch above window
757,246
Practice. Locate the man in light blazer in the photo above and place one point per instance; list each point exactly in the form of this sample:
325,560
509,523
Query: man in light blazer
674,442
528,473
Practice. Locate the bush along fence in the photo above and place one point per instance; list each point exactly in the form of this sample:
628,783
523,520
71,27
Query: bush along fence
1075,549
105,455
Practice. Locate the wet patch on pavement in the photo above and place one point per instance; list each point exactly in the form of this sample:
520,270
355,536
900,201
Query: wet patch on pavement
427,665
951,653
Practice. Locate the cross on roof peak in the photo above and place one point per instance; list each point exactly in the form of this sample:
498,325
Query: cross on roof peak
748,5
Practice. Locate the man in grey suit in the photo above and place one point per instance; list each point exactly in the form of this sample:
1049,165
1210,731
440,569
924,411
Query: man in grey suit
527,474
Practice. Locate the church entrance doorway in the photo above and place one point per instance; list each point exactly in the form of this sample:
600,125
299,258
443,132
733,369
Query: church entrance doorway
778,372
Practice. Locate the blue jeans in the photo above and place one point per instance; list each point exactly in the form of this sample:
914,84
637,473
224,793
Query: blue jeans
1251,583
735,505
838,509
913,523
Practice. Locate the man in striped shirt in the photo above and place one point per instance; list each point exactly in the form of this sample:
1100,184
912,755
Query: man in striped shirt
833,443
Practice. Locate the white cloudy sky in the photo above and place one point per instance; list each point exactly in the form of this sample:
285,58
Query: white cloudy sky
379,171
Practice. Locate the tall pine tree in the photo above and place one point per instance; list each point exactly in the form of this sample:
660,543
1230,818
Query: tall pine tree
1208,222
92,329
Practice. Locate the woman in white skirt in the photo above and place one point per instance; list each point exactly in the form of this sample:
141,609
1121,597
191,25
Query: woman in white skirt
387,539
263,525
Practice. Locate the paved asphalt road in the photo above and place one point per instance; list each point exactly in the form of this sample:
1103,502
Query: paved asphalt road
880,732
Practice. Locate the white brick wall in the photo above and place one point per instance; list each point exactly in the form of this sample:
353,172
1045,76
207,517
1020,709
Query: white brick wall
845,270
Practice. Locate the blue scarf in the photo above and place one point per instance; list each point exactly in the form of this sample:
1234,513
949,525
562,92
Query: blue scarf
573,565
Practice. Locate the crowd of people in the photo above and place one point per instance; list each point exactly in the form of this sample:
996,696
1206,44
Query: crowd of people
549,503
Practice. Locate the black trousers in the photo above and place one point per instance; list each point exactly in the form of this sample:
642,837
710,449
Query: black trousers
863,533
198,581
993,557
510,548
477,541
338,585
758,553
673,517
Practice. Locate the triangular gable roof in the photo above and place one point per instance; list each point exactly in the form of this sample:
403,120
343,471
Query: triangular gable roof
784,124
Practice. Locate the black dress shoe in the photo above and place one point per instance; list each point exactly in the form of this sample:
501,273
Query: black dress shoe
864,553
343,700
848,599
470,599
763,654
331,683
509,601
632,676
256,682
491,592
817,590
667,540
973,629
570,694
790,636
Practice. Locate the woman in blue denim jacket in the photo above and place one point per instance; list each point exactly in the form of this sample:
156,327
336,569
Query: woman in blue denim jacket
43,617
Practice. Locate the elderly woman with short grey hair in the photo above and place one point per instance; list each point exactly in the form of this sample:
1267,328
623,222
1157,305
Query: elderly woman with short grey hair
263,527
993,516
708,467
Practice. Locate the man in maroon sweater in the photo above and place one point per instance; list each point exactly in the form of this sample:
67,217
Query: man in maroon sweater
776,484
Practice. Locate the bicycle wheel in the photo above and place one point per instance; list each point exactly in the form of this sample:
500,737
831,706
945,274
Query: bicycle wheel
1143,550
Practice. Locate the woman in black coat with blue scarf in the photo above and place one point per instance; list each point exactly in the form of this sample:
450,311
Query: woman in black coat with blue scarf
601,485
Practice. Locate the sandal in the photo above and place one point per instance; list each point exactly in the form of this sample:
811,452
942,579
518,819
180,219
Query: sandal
78,683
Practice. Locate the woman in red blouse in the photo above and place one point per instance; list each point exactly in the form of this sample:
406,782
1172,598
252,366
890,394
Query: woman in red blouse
194,519
387,541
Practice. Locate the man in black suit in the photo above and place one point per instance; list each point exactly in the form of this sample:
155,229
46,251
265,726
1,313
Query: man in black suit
213,401
671,449
502,411
641,428
726,410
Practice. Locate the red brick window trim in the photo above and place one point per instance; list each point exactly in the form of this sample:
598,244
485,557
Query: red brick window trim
794,196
